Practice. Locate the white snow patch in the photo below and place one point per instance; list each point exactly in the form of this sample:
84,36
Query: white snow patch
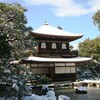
82,88
7,71
63,97
15,86
12,98
50,96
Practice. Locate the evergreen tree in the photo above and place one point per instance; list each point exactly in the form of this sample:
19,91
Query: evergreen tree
89,70
12,47
13,25
14,41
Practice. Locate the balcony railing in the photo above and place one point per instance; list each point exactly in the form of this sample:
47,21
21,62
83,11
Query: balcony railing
60,53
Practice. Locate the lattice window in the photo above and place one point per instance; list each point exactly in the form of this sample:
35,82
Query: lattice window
43,45
63,46
54,46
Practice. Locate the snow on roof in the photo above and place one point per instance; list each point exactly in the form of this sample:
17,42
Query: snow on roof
43,59
15,62
91,81
53,31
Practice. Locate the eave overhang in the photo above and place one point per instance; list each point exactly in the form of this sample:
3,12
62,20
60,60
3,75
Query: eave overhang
59,60
40,36
48,32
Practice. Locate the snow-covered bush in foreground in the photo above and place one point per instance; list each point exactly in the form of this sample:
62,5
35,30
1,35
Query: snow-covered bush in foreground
50,96
10,98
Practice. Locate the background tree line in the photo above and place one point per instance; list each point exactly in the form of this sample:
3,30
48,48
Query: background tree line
90,48
89,70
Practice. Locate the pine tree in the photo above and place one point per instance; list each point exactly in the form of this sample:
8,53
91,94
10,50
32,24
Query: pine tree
14,41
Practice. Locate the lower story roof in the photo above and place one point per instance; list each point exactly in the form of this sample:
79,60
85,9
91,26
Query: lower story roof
44,59
59,60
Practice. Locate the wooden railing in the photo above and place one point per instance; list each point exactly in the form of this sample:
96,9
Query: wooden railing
60,53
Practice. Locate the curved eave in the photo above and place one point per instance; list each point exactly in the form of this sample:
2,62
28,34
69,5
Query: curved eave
69,60
48,32
50,36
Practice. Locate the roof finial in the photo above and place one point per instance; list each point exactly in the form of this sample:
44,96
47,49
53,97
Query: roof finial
45,23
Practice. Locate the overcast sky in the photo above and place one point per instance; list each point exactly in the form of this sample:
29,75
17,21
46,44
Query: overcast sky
72,15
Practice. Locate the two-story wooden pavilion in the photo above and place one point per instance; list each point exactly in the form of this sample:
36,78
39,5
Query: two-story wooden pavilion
53,56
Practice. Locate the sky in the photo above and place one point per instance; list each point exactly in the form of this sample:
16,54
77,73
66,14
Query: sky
73,16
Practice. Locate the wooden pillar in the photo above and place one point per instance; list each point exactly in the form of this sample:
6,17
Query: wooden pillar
52,71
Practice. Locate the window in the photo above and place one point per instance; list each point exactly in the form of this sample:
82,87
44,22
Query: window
60,70
54,46
63,46
40,70
72,69
59,64
43,45
67,69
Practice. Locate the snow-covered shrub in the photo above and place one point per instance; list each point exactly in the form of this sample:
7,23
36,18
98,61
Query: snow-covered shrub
44,90
51,95
9,98
42,79
89,70
63,97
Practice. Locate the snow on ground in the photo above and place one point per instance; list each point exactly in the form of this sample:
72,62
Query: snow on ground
50,96
91,81
63,97
88,81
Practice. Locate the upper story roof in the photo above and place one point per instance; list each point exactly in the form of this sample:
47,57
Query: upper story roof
48,32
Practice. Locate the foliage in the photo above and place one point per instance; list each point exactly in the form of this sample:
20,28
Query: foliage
90,48
89,70
14,41
12,45
42,79
96,18
15,81
13,26
4,48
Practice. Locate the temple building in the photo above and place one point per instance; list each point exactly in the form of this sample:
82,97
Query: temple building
53,56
